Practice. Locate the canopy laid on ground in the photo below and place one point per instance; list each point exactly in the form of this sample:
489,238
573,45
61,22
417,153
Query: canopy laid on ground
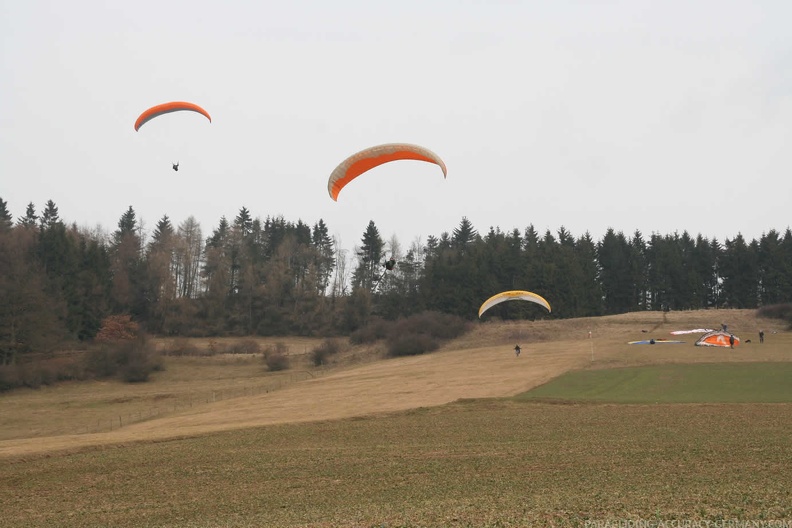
694,331
718,338
655,342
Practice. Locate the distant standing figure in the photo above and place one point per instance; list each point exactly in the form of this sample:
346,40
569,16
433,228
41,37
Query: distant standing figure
725,327
517,350
761,336
731,340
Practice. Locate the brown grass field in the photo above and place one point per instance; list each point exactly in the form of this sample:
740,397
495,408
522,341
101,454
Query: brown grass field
431,440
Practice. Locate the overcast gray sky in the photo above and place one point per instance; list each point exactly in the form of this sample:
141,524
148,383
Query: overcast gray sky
659,116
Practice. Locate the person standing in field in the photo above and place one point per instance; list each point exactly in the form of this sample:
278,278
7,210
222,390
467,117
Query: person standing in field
517,350
761,336
731,340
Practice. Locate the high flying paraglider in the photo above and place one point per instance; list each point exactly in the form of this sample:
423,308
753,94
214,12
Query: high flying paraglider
167,108
367,159
513,295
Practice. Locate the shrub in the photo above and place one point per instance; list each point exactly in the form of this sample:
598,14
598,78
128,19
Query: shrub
276,358
411,345
416,334
375,330
34,374
100,361
117,328
277,348
9,377
321,353
132,361
184,347
777,311
137,369
245,346
437,325
276,362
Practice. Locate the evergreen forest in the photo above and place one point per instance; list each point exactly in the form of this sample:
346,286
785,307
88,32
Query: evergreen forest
272,276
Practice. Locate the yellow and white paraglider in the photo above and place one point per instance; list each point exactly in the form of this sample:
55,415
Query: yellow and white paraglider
513,295
367,159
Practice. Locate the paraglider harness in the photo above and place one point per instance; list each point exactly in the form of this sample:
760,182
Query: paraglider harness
388,265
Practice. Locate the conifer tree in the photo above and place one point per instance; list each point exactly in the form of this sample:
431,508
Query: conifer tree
325,254
244,221
369,256
464,234
739,272
30,220
613,254
49,216
6,220
129,288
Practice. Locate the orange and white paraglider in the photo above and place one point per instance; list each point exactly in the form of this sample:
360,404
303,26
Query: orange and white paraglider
513,295
367,159
167,108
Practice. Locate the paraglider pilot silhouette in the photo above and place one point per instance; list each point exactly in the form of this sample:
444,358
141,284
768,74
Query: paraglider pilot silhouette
388,265
167,108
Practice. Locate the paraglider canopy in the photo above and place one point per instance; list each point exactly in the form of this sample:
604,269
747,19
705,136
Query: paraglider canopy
513,295
166,108
367,159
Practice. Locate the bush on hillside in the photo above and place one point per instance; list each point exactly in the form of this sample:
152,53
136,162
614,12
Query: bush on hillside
34,374
412,335
375,330
276,357
321,353
436,325
130,360
244,346
411,345
777,311
184,347
117,328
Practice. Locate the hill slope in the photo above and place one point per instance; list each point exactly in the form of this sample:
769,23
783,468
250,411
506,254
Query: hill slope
478,365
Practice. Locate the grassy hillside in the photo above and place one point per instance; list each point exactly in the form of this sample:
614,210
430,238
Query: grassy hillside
674,383
196,395
496,463
437,440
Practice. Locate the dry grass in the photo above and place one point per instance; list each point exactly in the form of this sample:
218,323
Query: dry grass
183,400
99,406
369,442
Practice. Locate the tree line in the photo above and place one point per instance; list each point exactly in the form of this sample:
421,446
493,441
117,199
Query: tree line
270,276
